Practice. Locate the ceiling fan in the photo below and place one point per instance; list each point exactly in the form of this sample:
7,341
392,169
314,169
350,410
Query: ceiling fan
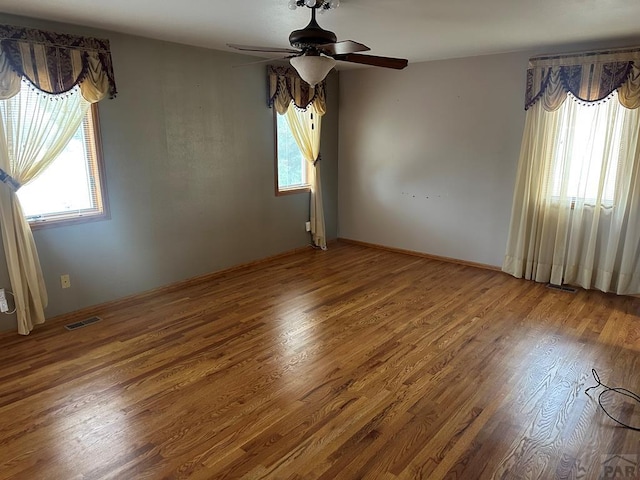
316,50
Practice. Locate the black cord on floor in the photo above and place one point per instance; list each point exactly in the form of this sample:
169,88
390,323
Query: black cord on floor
607,389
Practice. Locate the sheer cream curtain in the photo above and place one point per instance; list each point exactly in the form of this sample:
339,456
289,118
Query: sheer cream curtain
303,108
34,129
306,129
46,83
576,209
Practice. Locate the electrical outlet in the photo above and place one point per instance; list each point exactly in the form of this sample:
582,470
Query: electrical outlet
65,280
307,226
4,307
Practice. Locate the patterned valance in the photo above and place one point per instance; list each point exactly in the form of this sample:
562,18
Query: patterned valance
589,77
55,63
285,85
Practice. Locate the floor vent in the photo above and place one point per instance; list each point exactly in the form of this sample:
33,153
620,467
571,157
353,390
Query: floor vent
562,288
83,323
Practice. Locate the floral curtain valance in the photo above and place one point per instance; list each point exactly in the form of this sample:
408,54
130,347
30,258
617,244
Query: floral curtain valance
285,85
55,63
589,77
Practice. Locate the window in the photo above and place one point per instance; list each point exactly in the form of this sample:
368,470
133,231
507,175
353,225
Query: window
72,188
586,157
291,167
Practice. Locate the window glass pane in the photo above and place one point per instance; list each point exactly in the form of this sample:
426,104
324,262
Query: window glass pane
292,167
66,186
588,150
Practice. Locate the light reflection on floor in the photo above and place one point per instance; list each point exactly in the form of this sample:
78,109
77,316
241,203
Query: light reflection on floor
92,431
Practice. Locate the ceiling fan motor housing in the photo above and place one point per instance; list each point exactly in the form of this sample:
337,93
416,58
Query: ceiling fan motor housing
311,35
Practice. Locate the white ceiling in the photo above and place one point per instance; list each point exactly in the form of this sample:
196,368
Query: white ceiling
415,29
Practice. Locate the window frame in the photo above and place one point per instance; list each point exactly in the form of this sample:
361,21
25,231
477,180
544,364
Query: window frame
98,173
286,190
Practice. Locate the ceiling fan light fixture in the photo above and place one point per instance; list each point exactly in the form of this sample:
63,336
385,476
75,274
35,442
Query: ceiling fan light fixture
313,68
322,5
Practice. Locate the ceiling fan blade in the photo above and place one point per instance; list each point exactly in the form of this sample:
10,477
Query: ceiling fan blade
387,62
251,48
264,60
342,48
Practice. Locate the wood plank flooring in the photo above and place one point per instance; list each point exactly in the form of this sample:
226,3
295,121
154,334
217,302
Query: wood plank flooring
353,363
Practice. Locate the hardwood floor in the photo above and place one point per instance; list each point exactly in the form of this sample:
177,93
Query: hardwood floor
346,364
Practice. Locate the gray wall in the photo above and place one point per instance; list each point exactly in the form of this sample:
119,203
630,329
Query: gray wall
428,155
188,147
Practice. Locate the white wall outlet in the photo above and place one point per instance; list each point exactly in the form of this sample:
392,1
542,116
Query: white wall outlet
65,280
307,226
4,307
